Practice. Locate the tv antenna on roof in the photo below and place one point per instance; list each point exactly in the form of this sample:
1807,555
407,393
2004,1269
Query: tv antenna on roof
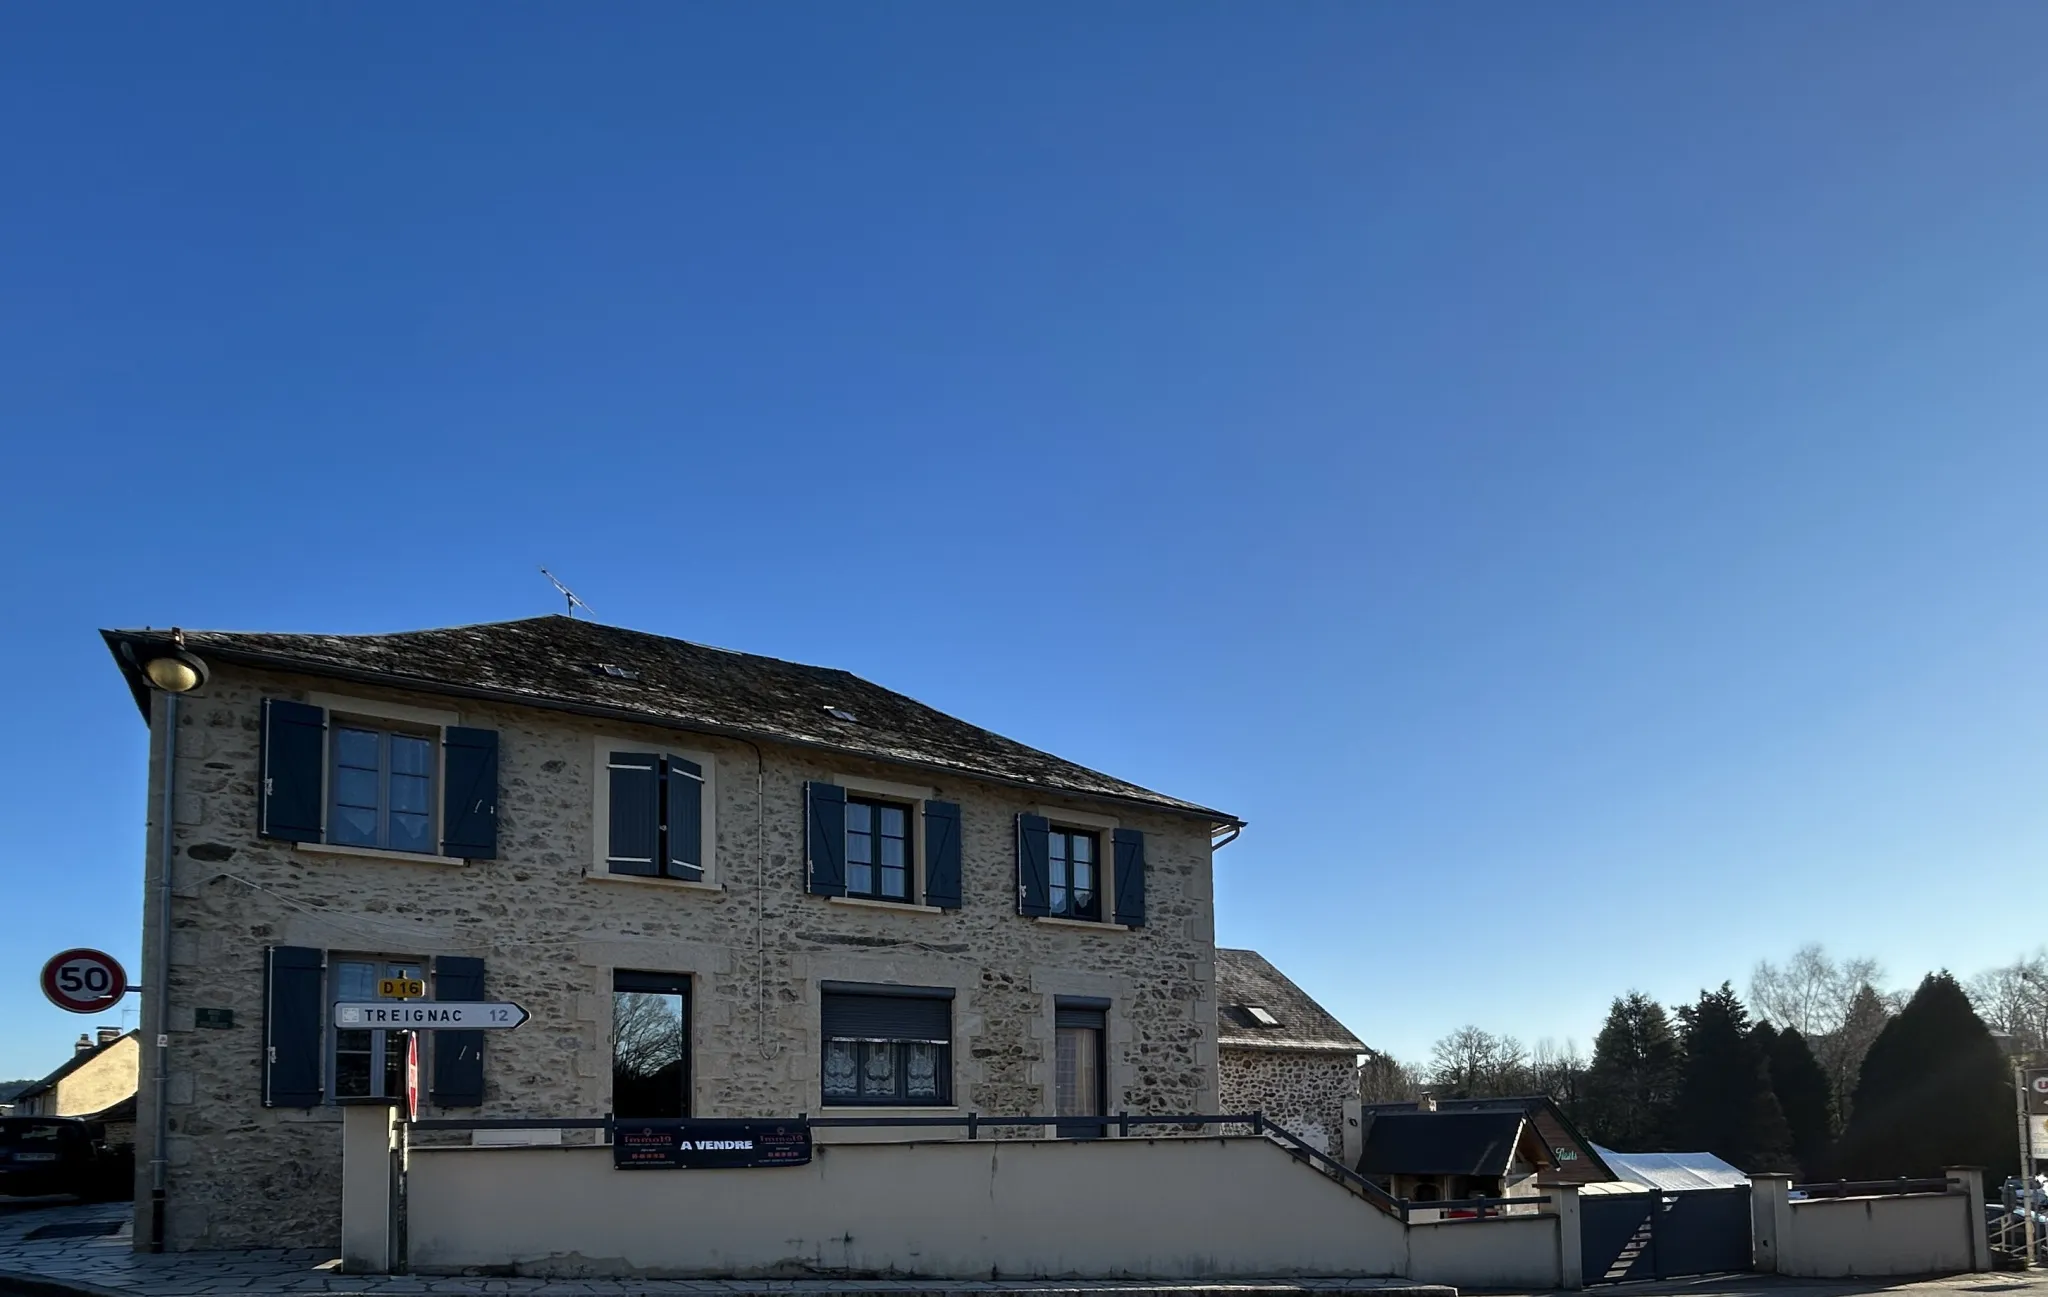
567,593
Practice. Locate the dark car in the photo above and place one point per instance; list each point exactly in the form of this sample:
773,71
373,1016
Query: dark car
45,1155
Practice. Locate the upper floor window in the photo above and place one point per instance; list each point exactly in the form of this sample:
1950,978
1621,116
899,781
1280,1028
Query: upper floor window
1074,890
654,813
877,849
381,785
363,774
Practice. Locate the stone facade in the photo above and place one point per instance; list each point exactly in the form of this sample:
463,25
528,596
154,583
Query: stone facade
551,929
1299,1089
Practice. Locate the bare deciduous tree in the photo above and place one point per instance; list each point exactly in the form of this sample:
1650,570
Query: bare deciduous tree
1474,1064
1386,1079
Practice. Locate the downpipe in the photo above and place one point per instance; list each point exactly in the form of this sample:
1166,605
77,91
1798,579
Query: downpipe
160,980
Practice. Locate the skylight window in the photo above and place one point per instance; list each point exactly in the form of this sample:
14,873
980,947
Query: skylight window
617,672
835,710
1260,1016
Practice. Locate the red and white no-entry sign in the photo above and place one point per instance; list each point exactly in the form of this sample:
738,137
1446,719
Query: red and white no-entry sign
84,981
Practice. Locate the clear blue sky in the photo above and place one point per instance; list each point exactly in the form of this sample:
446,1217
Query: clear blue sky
1572,477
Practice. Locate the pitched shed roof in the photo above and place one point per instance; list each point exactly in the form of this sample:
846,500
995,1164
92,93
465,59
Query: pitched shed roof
560,662
79,1058
1246,981
1578,1159
1440,1143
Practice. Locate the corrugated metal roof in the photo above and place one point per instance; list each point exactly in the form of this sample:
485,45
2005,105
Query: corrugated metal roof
1672,1172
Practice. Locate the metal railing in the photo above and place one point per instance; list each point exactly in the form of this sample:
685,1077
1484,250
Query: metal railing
975,1123
1872,1188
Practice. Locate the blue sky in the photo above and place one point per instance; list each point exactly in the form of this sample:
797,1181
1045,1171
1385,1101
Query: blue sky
1573,478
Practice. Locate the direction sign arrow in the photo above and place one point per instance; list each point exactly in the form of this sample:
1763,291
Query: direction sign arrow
428,1015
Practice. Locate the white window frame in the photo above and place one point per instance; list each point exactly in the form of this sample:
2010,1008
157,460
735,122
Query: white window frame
601,749
380,1037
379,714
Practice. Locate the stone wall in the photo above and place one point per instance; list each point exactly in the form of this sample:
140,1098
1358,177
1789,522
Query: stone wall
754,943
1302,1090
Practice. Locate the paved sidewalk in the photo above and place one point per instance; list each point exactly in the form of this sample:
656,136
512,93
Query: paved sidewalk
84,1250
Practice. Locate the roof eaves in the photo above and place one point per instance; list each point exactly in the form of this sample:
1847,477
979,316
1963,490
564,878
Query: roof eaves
139,687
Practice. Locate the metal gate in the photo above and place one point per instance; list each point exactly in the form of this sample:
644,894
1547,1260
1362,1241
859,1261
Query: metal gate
1625,1237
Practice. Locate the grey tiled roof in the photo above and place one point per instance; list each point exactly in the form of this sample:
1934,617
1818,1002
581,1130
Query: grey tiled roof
556,662
1244,979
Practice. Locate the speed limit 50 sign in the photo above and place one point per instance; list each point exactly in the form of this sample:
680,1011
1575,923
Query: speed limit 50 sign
84,981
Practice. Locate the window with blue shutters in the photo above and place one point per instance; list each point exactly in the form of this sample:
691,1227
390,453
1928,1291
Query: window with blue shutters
1088,872
655,813
354,776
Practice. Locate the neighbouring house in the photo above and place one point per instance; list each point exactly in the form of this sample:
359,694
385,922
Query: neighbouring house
1439,1150
97,1082
722,884
1279,1052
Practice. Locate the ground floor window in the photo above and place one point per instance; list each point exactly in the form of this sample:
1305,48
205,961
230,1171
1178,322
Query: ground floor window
650,1044
368,1064
887,1044
1080,1089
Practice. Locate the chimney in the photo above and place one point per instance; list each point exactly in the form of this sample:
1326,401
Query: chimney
108,1035
84,1045
1427,1103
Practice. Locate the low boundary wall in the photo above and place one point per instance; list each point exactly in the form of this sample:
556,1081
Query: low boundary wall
1160,1208
1873,1235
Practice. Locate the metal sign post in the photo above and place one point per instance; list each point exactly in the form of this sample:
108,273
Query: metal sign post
2023,1099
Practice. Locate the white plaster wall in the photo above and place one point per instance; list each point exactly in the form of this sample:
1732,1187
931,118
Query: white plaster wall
1860,1237
1518,1252
1154,1208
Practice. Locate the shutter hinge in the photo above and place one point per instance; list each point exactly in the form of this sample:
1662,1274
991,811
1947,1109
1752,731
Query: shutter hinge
266,786
273,1055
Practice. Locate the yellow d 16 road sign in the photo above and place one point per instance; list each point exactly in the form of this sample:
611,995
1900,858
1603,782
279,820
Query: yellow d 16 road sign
401,988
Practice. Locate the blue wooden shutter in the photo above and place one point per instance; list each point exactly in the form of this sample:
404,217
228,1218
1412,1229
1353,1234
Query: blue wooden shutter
458,1055
1130,877
1034,872
942,855
294,770
685,821
469,793
293,977
825,815
635,826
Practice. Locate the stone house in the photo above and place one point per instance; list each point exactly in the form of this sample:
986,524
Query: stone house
723,885
1280,1053
97,1082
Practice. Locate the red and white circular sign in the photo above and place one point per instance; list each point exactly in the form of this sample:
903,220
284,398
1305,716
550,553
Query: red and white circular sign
412,1076
84,981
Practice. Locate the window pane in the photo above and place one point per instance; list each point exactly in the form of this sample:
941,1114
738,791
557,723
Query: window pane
410,833
1056,846
857,817
353,827
648,1074
1084,847
394,1064
921,1072
408,794
409,755
1057,872
1077,1072
859,847
892,852
356,748
878,1070
355,980
860,879
841,1069
352,1075
355,787
892,821
896,884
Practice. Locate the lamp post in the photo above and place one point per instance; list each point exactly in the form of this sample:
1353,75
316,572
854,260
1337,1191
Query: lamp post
172,673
